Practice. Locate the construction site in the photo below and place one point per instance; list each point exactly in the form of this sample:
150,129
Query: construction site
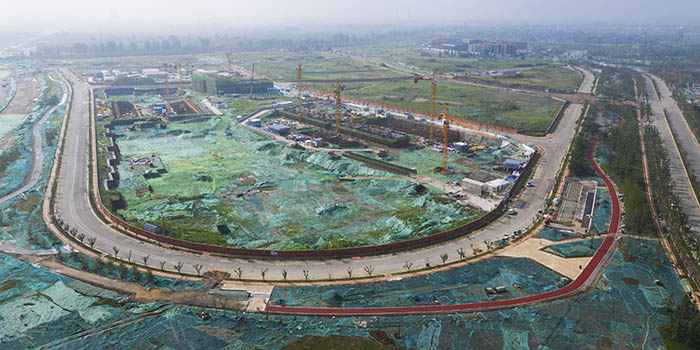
321,173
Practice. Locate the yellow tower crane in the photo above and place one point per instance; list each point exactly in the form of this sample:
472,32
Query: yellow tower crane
252,76
179,72
300,112
116,109
445,137
228,57
167,88
433,88
336,92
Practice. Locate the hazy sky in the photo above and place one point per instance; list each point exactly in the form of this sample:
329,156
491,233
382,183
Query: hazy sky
294,12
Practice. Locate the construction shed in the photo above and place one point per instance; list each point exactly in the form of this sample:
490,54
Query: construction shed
511,163
472,186
279,129
498,185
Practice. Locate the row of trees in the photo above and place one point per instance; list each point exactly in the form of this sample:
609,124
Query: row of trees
174,45
684,325
624,154
666,202
578,155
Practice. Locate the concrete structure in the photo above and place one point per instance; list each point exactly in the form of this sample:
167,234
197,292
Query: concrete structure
478,47
512,164
216,84
472,186
280,129
498,185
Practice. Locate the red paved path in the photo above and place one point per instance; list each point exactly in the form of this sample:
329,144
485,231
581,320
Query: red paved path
569,289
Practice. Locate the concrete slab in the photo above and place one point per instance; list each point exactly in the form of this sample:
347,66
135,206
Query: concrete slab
531,248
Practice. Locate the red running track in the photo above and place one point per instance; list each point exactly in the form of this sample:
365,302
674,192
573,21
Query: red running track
567,290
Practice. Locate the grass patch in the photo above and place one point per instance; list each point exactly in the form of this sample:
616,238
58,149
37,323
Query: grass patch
483,105
315,66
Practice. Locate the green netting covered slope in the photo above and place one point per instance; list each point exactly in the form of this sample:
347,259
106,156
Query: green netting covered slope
268,194
520,276
614,314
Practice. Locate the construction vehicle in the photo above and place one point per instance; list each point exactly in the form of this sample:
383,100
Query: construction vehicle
433,88
228,57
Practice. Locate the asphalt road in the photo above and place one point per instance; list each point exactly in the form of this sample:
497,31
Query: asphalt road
587,83
73,207
685,140
37,152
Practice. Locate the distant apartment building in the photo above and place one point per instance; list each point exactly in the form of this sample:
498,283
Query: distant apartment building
478,47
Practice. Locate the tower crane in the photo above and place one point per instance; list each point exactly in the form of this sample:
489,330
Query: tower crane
433,88
167,87
228,57
336,93
300,111
179,72
252,76
445,137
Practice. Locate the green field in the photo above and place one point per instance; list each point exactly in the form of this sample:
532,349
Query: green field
483,105
534,71
547,75
315,66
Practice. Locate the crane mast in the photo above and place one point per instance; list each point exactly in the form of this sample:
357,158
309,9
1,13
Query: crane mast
336,93
179,72
228,57
252,76
167,87
300,111
445,138
433,89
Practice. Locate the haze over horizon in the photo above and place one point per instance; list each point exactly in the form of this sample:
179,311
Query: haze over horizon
76,14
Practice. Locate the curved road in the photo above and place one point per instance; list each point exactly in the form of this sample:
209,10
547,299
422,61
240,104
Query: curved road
37,151
73,207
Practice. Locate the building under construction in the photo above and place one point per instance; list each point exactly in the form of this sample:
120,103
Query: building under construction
212,84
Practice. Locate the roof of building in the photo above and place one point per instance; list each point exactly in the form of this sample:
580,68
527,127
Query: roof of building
498,182
472,181
279,127
511,161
